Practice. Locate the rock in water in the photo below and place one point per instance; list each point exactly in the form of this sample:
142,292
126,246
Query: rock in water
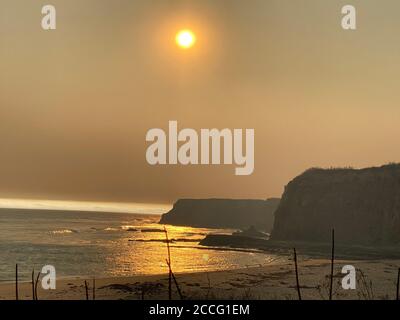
222,213
363,206
251,232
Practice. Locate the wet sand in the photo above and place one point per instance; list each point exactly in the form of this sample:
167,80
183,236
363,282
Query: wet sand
376,279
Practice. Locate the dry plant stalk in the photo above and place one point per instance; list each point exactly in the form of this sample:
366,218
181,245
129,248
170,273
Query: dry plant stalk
169,266
175,281
171,275
36,286
86,290
16,281
94,289
33,284
332,262
297,274
398,285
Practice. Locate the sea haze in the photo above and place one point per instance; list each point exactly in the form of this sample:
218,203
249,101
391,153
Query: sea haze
101,244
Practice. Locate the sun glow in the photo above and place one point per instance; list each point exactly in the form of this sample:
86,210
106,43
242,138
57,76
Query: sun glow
185,39
139,208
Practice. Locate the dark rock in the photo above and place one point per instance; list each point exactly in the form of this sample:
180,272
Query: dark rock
221,240
222,213
363,206
251,232
153,230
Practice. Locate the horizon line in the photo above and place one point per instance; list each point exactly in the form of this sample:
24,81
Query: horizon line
91,206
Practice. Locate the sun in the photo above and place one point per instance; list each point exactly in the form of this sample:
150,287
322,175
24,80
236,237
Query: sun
185,39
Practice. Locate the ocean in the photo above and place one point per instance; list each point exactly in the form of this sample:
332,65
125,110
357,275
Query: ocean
99,244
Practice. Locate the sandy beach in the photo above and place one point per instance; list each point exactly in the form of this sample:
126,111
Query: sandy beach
375,280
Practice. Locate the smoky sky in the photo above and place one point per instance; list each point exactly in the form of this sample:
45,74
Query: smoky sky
76,102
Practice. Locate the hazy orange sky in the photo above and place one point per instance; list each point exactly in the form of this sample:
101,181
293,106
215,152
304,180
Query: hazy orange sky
76,103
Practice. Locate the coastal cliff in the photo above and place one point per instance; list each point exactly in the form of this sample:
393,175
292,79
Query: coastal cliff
222,213
363,206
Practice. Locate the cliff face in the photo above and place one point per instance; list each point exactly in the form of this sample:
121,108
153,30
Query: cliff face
222,213
363,206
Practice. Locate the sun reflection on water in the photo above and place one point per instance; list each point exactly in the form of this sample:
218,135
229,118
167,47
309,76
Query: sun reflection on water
109,244
146,253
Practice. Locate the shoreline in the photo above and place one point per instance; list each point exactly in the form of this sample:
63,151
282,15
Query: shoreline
269,282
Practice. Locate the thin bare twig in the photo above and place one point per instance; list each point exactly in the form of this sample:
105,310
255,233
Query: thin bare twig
33,284
297,273
169,266
209,285
94,289
398,285
36,286
332,262
16,281
176,282
87,290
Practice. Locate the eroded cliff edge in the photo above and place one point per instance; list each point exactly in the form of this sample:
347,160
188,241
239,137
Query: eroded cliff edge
222,213
363,206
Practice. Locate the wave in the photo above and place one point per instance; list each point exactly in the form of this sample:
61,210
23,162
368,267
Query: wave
129,228
63,231
112,229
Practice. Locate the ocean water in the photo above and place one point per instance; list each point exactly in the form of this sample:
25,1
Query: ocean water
97,244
